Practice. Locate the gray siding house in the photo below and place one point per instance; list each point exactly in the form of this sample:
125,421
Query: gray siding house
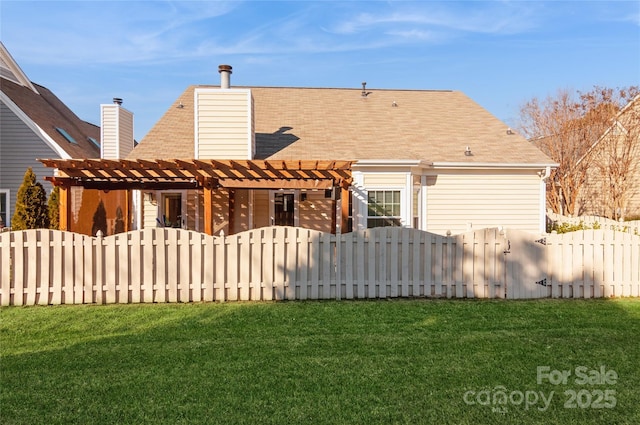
34,123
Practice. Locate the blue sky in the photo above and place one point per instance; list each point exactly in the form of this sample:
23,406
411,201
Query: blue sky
500,54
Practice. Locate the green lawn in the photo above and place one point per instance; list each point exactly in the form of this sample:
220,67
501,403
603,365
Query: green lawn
363,362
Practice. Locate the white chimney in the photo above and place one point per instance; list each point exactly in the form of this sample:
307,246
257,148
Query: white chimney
224,121
116,130
225,76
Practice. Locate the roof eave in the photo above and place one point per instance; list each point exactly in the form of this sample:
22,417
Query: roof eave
493,165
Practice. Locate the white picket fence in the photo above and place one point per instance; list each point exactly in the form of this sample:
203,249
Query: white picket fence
278,263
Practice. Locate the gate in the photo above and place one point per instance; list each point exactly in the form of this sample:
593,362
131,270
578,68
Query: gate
525,265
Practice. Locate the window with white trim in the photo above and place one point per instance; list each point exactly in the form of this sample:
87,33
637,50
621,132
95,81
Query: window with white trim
383,208
4,208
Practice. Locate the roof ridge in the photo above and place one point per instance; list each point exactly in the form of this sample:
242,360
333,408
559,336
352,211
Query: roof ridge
328,88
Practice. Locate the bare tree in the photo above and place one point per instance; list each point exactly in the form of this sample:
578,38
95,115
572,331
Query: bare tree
615,159
566,127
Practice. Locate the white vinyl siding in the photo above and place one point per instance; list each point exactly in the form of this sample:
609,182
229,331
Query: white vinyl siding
223,124
116,131
149,211
376,180
109,130
459,201
125,133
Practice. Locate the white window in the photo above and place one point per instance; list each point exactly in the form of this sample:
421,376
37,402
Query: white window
384,208
4,208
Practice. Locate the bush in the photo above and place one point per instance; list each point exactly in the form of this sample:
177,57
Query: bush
54,208
31,205
568,227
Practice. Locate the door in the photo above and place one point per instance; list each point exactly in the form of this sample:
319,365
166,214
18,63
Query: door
171,214
283,209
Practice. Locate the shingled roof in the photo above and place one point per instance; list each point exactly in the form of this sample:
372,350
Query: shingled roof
321,123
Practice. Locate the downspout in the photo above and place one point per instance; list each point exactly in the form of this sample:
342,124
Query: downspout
544,175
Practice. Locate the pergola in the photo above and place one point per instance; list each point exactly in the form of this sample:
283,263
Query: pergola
207,175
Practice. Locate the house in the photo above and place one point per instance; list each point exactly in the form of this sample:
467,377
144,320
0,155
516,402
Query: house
612,188
225,159
34,123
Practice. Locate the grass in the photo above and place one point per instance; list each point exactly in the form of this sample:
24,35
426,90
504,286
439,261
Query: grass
365,362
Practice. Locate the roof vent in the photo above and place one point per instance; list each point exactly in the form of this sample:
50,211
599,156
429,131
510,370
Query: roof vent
365,93
117,101
225,76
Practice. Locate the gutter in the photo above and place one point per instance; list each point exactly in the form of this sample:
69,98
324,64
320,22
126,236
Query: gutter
485,165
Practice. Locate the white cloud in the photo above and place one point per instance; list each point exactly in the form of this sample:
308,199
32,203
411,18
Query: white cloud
491,18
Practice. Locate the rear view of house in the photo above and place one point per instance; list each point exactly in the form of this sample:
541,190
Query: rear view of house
228,159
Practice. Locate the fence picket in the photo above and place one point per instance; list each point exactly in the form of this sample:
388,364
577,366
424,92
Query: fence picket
209,267
196,247
267,264
20,269
372,260
32,266
328,276
44,280
6,268
147,264
184,266
290,275
134,247
219,262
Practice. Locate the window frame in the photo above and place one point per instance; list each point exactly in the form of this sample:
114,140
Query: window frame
7,218
397,220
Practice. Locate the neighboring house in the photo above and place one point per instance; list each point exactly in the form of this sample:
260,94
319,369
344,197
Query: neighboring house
612,188
34,123
226,159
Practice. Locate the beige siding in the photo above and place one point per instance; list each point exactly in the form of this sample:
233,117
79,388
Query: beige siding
241,210
149,213
315,212
109,131
192,204
460,201
125,132
261,209
223,124
373,180
220,205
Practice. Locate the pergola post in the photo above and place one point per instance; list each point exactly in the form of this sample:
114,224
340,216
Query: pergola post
232,209
344,209
64,208
127,211
208,206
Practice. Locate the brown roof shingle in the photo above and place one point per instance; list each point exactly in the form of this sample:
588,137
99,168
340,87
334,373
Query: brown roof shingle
323,123
49,112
